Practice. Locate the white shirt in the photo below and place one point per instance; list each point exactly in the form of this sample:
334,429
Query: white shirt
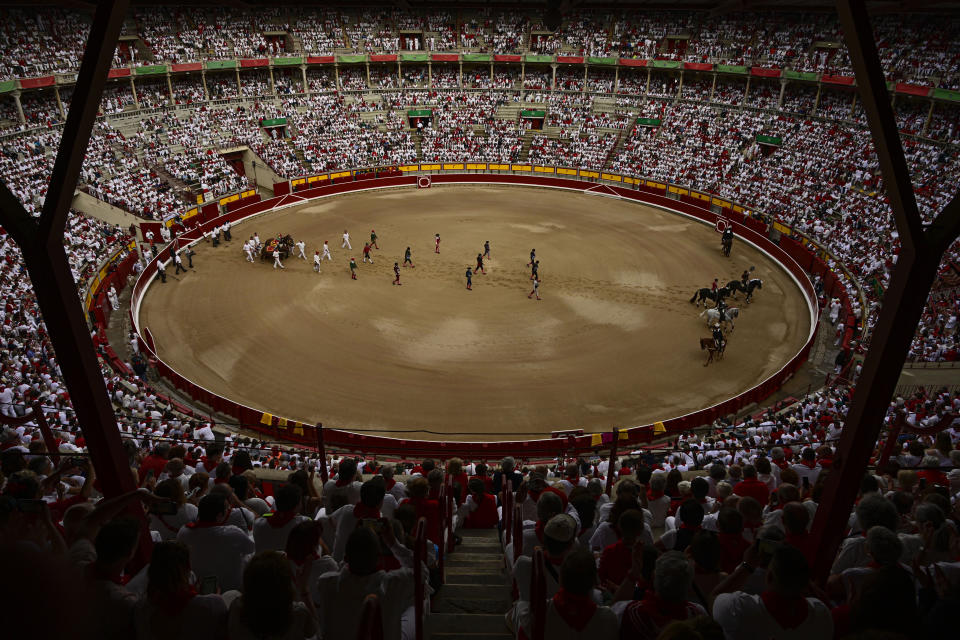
169,526
201,619
342,595
744,616
270,538
603,625
218,551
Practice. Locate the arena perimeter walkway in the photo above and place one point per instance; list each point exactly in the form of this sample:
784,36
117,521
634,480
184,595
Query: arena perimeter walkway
614,342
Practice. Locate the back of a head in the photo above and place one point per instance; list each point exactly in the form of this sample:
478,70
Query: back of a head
706,550
875,510
454,466
210,507
475,486
595,487
428,465
288,497
303,540
268,594
789,572
586,508
578,573
729,520
169,569
348,470
887,602
750,509
435,477
116,540
371,494
691,513
387,472
362,551
240,486
171,489
699,487
508,464
627,488
658,481
672,576
749,471
631,523
418,487
571,471
223,471
699,628
884,545
788,492
795,518
718,471
548,505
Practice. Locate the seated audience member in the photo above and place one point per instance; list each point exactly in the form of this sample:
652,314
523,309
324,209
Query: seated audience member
272,604
615,558
705,552
572,611
418,488
169,525
456,475
751,486
606,532
112,605
346,519
479,511
666,602
172,607
732,542
657,502
345,489
586,507
217,549
307,554
873,510
795,520
690,516
548,506
507,472
781,611
394,488
342,592
270,530
559,536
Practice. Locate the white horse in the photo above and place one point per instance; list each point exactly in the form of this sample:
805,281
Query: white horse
713,316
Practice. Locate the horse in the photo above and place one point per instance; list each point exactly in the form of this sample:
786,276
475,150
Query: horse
713,316
734,286
284,246
756,283
726,244
705,293
710,345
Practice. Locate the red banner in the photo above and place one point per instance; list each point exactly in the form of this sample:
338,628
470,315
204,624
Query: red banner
46,81
383,57
445,57
694,66
189,66
570,59
632,62
844,80
912,89
258,62
504,58
764,72
320,59
113,73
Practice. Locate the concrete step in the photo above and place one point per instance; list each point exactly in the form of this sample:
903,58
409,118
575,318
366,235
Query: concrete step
469,605
486,534
489,591
466,576
479,546
474,560
462,624
440,635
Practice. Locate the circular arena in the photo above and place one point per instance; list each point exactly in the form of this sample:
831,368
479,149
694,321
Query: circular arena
613,342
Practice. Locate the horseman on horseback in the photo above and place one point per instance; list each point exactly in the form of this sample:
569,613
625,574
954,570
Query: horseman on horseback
726,240
718,336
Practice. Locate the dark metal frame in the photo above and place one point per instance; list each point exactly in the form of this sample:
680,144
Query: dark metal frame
903,303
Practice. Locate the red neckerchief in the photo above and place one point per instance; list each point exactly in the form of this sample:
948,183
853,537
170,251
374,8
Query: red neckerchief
343,483
208,465
534,495
173,604
207,525
539,530
237,471
390,483
279,519
826,462
99,574
654,495
660,611
575,610
810,464
684,525
782,463
789,613
361,511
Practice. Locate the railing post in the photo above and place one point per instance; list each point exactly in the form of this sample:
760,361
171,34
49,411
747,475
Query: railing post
322,452
507,508
517,531
611,468
419,558
48,440
441,543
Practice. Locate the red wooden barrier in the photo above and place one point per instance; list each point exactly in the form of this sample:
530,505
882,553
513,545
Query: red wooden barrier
419,559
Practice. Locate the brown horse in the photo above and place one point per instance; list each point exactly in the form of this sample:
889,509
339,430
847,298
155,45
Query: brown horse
284,246
711,347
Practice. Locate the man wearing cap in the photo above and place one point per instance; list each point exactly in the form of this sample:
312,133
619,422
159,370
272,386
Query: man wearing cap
559,536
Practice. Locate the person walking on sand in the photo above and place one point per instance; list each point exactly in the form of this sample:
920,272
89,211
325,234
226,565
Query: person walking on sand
301,245
436,237
373,239
366,252
353,268
316,261
326,252
396,272
346,240
533,257
469,279
406,258
480,268
536,289
535,270
486,250
276,259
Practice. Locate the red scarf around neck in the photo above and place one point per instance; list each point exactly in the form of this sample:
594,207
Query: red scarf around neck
361,511
576,610
206,525
173,604
539,529
279,519
390,484
343,483
810,464
654,495
789,613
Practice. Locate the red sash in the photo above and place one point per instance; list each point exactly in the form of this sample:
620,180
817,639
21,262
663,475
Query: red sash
279,519
361,511
789,613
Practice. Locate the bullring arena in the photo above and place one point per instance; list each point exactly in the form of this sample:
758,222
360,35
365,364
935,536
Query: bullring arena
197,443
614,341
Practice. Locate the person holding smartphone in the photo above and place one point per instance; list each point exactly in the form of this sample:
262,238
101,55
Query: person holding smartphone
166,518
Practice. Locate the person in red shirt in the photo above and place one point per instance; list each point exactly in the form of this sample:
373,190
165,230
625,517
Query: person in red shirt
479,510
795,521
752,487
483,477
615,558
418,488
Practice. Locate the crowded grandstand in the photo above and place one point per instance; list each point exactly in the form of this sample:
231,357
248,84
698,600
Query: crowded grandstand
699,534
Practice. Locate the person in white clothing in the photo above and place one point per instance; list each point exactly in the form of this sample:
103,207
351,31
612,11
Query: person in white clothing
326,252
316,261
572,613
781,611
270,530
168,525
347,518
346,240
248,249
276,260
301,245
342,592
217,550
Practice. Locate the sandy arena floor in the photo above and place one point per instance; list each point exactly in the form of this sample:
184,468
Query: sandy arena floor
614,342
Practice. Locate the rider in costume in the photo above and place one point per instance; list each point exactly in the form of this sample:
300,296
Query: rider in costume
718,336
